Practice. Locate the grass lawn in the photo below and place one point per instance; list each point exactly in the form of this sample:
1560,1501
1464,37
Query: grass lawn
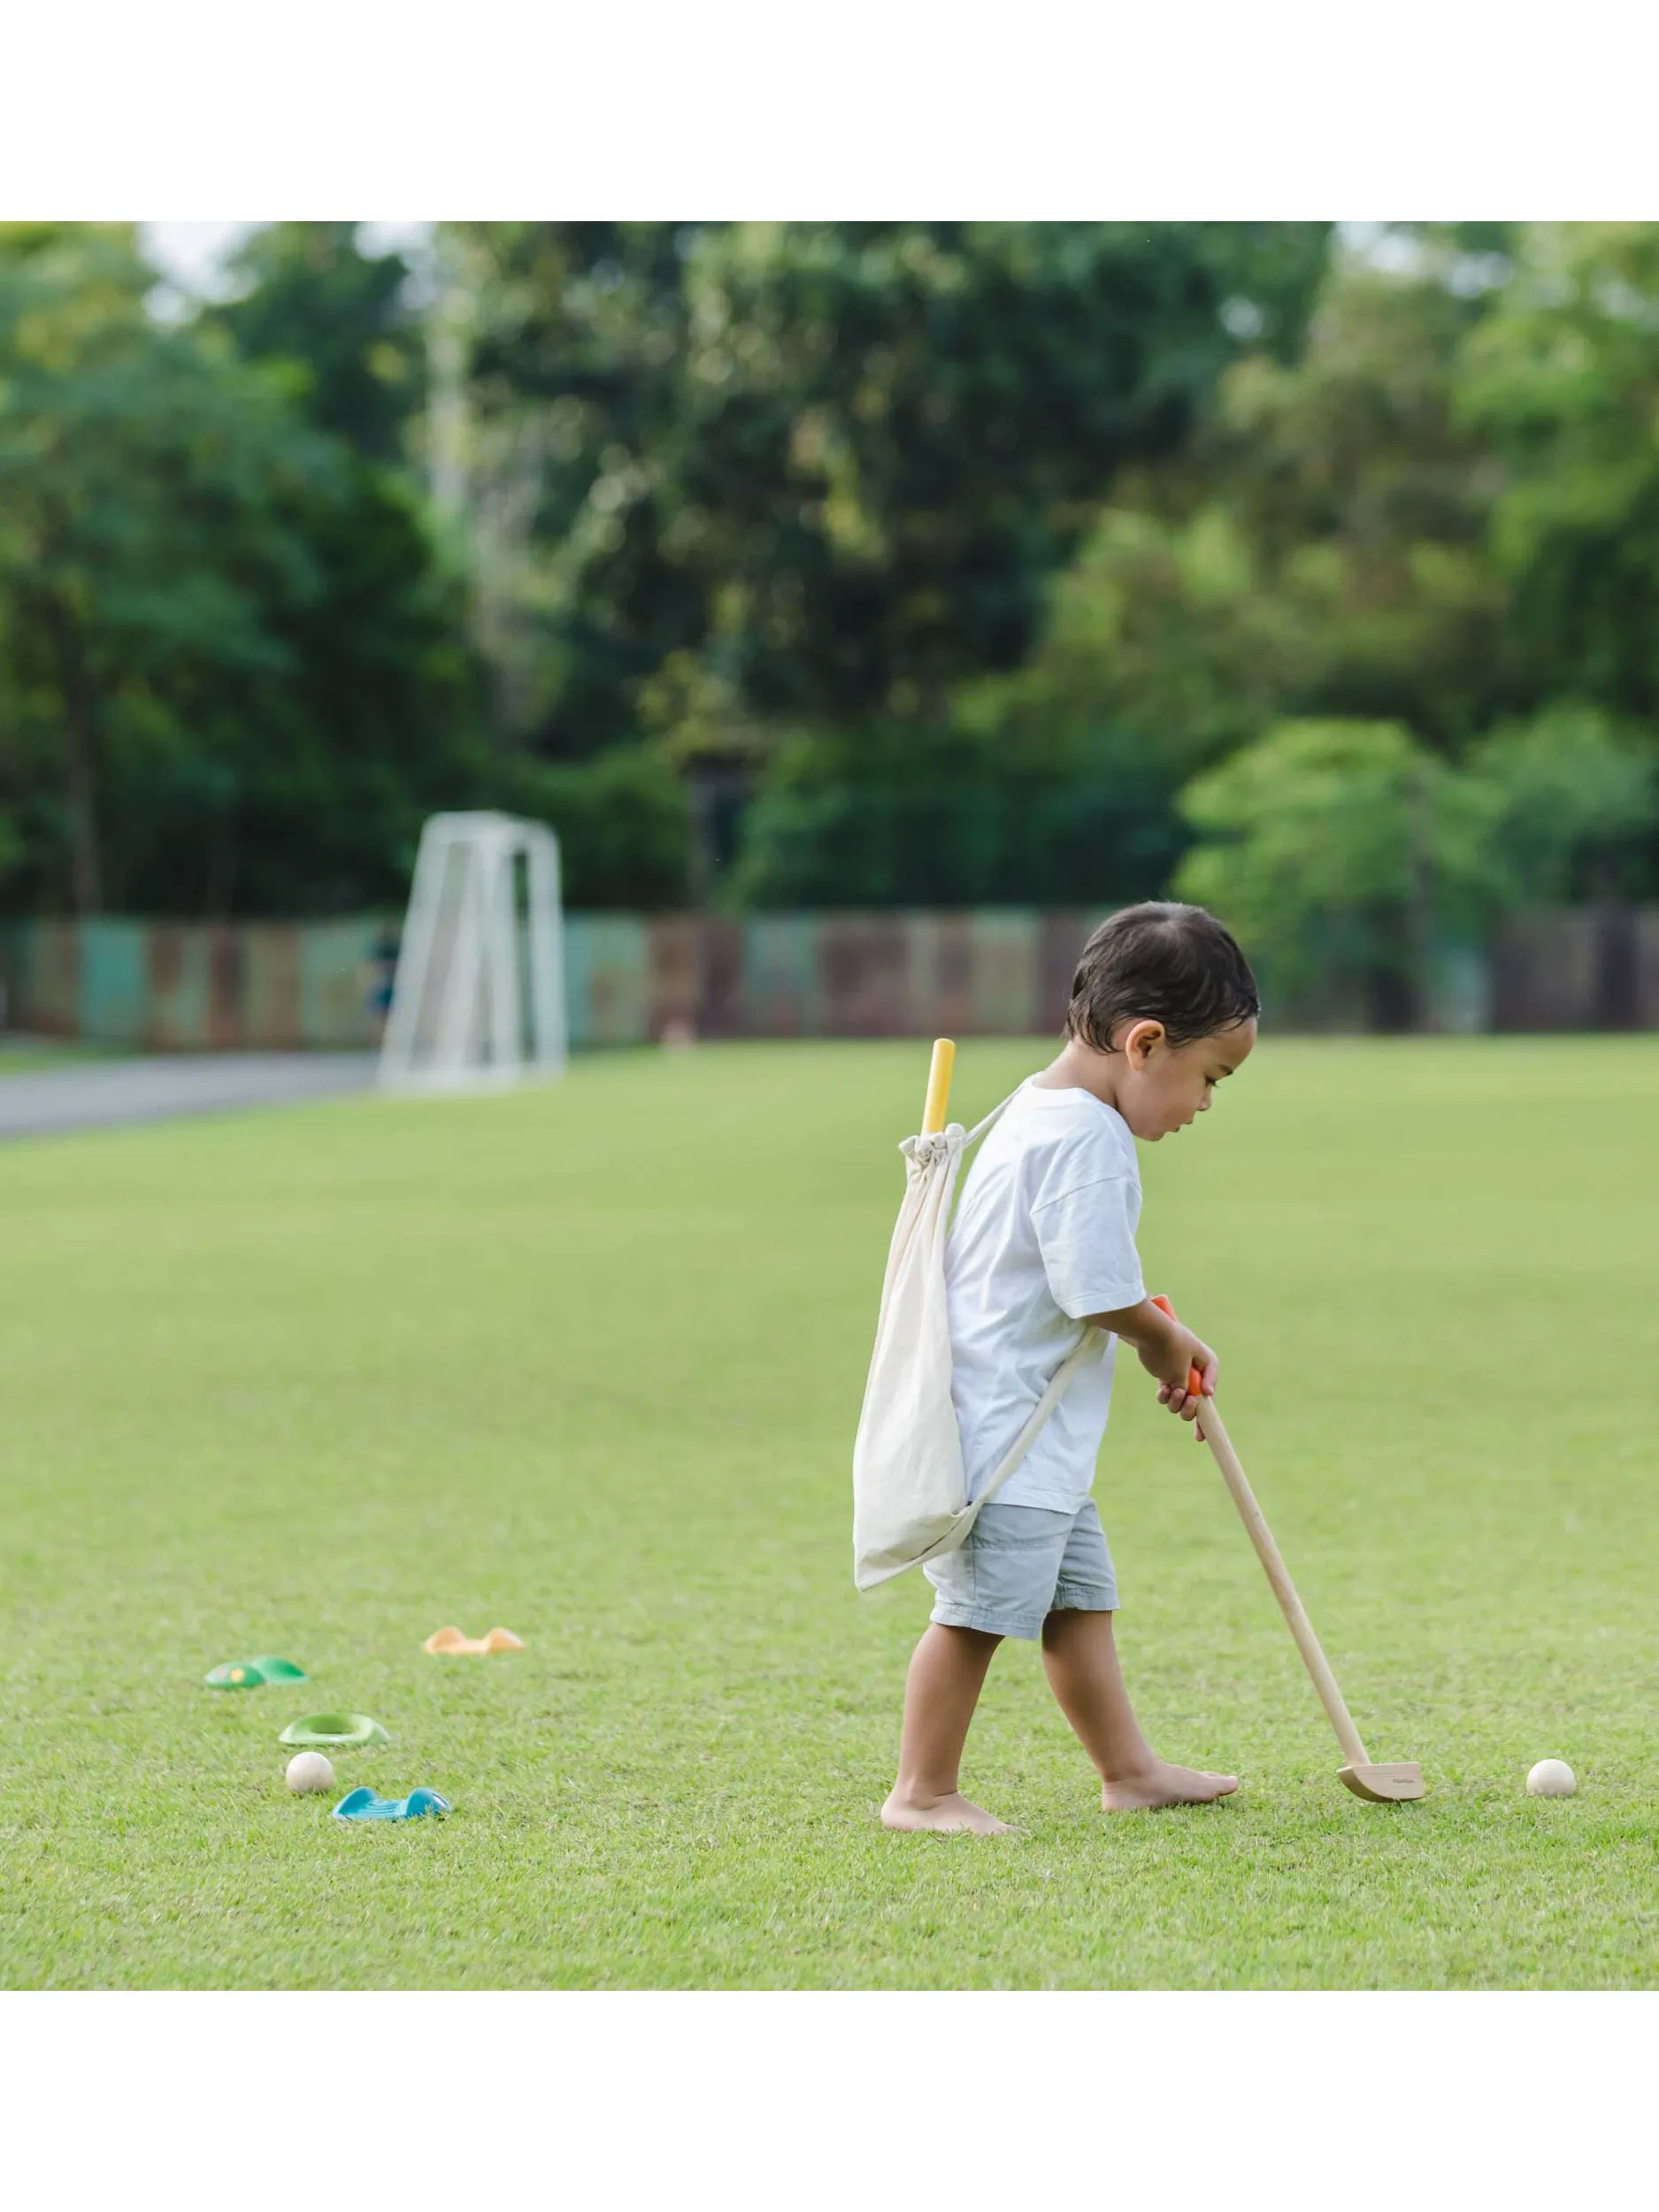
29,1056
586,1362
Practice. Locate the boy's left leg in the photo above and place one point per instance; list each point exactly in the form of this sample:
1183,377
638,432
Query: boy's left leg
1080,1656
999,1583
947,1673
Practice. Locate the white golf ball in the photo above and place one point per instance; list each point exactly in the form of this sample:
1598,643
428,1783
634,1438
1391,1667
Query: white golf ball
1551,1778
309,1770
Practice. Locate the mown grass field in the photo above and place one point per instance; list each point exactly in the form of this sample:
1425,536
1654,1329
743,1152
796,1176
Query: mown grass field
586,1361
30,1055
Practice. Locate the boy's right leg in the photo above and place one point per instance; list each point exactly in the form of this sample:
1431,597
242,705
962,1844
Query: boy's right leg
1080,1656
946,1674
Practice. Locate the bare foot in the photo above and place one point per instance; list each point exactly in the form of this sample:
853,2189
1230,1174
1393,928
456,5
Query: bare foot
1161,1785
947,1816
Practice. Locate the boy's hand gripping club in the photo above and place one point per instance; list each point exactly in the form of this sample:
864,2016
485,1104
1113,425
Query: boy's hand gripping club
1383,1785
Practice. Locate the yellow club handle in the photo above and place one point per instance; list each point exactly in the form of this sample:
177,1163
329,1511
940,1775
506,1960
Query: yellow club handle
938,1087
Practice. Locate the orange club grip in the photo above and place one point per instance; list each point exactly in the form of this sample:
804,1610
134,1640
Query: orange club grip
1194,1380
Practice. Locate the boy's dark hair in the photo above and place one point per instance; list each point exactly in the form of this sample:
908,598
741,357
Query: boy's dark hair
1174,965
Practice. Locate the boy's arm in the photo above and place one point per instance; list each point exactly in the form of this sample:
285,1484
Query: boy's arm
1166,1350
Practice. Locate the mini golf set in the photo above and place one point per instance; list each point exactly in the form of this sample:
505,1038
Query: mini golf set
315,1734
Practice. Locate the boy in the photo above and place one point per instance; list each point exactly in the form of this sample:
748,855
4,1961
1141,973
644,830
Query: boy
1163,1007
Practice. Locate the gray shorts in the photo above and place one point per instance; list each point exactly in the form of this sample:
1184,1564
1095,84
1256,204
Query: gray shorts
1020,1564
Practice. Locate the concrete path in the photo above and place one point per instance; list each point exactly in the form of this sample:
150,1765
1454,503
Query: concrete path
53,1100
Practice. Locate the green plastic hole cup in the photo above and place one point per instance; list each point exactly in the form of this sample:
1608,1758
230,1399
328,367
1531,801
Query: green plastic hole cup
335,1731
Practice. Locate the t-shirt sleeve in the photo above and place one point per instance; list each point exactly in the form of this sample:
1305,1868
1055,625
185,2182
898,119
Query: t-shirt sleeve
1086,1238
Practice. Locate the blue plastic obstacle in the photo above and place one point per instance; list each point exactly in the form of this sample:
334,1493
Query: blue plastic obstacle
363,1804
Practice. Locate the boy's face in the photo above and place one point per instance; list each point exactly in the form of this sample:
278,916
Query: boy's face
1165,1086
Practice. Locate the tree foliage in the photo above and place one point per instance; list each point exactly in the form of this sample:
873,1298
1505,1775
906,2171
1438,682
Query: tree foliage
1561,380
342,322
1321,550
1330,846
1007,563
1345,852
230,676
1570,795
954,819
623,819
832,464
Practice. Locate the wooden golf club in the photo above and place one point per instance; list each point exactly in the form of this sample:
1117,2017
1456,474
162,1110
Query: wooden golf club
1383,1785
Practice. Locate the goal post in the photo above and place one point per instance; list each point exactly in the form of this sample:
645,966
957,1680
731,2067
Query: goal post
478,997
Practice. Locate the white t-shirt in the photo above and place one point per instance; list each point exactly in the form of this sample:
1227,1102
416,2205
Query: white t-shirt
1044,1234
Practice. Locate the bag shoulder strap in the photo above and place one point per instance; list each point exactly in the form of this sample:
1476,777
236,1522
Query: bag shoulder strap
1058,1384
954,1139
995,1115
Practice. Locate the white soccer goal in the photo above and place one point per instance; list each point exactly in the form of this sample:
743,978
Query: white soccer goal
478,1000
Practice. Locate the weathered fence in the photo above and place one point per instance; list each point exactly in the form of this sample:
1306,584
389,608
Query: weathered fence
273,985
184,987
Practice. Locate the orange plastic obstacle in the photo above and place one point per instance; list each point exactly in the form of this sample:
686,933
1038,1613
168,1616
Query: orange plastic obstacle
443,1640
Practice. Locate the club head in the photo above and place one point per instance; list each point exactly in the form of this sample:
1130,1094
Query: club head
1385,1785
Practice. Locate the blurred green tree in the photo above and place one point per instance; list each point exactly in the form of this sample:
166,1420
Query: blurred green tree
623,824
1320,549
342,319
951,817
1335,849
901,431
977,545
1346,852
1571,793
230,677
1562,378
830,464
